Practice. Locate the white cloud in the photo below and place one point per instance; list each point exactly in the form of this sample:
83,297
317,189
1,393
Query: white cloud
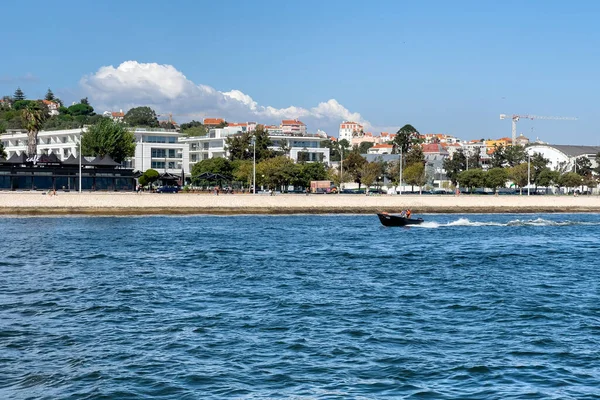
166,89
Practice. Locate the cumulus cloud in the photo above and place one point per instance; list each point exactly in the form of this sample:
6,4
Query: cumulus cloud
167,89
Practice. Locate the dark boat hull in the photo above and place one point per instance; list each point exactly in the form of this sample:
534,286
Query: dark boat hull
395,220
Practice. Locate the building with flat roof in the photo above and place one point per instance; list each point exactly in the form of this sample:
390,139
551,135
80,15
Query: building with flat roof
156,148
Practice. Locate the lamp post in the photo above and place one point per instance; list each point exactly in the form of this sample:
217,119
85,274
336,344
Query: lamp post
341,167
254,167
79,162
528,172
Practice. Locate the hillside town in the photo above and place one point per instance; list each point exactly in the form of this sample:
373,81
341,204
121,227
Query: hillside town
158,151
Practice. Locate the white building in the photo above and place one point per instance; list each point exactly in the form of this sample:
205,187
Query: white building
348,130
155,147
52,107
293,126
213,145
381,148
563,157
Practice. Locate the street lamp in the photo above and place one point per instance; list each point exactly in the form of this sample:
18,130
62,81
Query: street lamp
79,151
254,167
341,166
528,172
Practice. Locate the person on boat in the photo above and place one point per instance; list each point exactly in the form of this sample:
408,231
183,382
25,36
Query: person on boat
403,213
408,212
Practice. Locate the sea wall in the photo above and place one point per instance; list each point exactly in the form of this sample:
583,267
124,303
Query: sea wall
37,203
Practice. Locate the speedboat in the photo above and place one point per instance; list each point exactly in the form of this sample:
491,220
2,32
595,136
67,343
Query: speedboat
396,220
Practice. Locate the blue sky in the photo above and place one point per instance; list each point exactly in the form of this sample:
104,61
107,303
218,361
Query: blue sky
443,66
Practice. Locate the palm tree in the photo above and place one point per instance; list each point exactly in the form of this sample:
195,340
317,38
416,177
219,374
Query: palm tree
33,120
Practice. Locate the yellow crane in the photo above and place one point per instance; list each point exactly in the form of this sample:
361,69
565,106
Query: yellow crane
515,118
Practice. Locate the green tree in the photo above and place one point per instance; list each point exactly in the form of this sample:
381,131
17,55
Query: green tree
193,128
141,116
519,175
243,171
19,95
597,169
474,159
538,164
515,155
415,155
3,126
307,172
2,151
583,166
275,172
84,101
223,124
392,172
263,142
364,147
238,146
49,95
108,137
81,110
472,178
455,165
353,164
19,105
406,138
570,180
495,178
369,173
547,178
498,156
33,119
414,175
218,165
148,177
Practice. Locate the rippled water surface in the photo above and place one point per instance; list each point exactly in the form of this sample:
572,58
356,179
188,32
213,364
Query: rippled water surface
304,307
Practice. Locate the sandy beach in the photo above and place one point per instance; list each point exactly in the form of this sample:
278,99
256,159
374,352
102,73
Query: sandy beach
38,203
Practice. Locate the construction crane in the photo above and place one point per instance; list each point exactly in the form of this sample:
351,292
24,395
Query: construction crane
516,117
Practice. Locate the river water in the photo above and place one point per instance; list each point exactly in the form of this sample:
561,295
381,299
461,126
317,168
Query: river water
302,307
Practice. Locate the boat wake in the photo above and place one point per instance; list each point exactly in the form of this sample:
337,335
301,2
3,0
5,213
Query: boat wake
516,222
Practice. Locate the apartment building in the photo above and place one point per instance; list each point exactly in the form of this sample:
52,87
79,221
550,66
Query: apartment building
348,130
155,147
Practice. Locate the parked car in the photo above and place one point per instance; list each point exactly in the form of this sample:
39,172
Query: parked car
168,189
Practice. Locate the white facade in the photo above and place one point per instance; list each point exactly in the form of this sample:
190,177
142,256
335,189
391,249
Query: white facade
213,146
155,147
563,157
159,149
293,127
348,129
62,143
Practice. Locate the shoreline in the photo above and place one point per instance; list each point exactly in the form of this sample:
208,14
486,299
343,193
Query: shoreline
36,203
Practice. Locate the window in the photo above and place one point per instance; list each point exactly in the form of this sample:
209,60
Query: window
66,152
156,139
194,157
64,139
158,153
158,164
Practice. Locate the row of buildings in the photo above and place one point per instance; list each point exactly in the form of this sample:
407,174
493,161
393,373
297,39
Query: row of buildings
169,151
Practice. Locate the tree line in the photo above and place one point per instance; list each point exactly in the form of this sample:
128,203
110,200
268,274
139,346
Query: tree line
511,163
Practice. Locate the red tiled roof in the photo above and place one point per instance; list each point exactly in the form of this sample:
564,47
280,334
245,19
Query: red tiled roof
382,146
117,114
213,121
431,148
291,122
